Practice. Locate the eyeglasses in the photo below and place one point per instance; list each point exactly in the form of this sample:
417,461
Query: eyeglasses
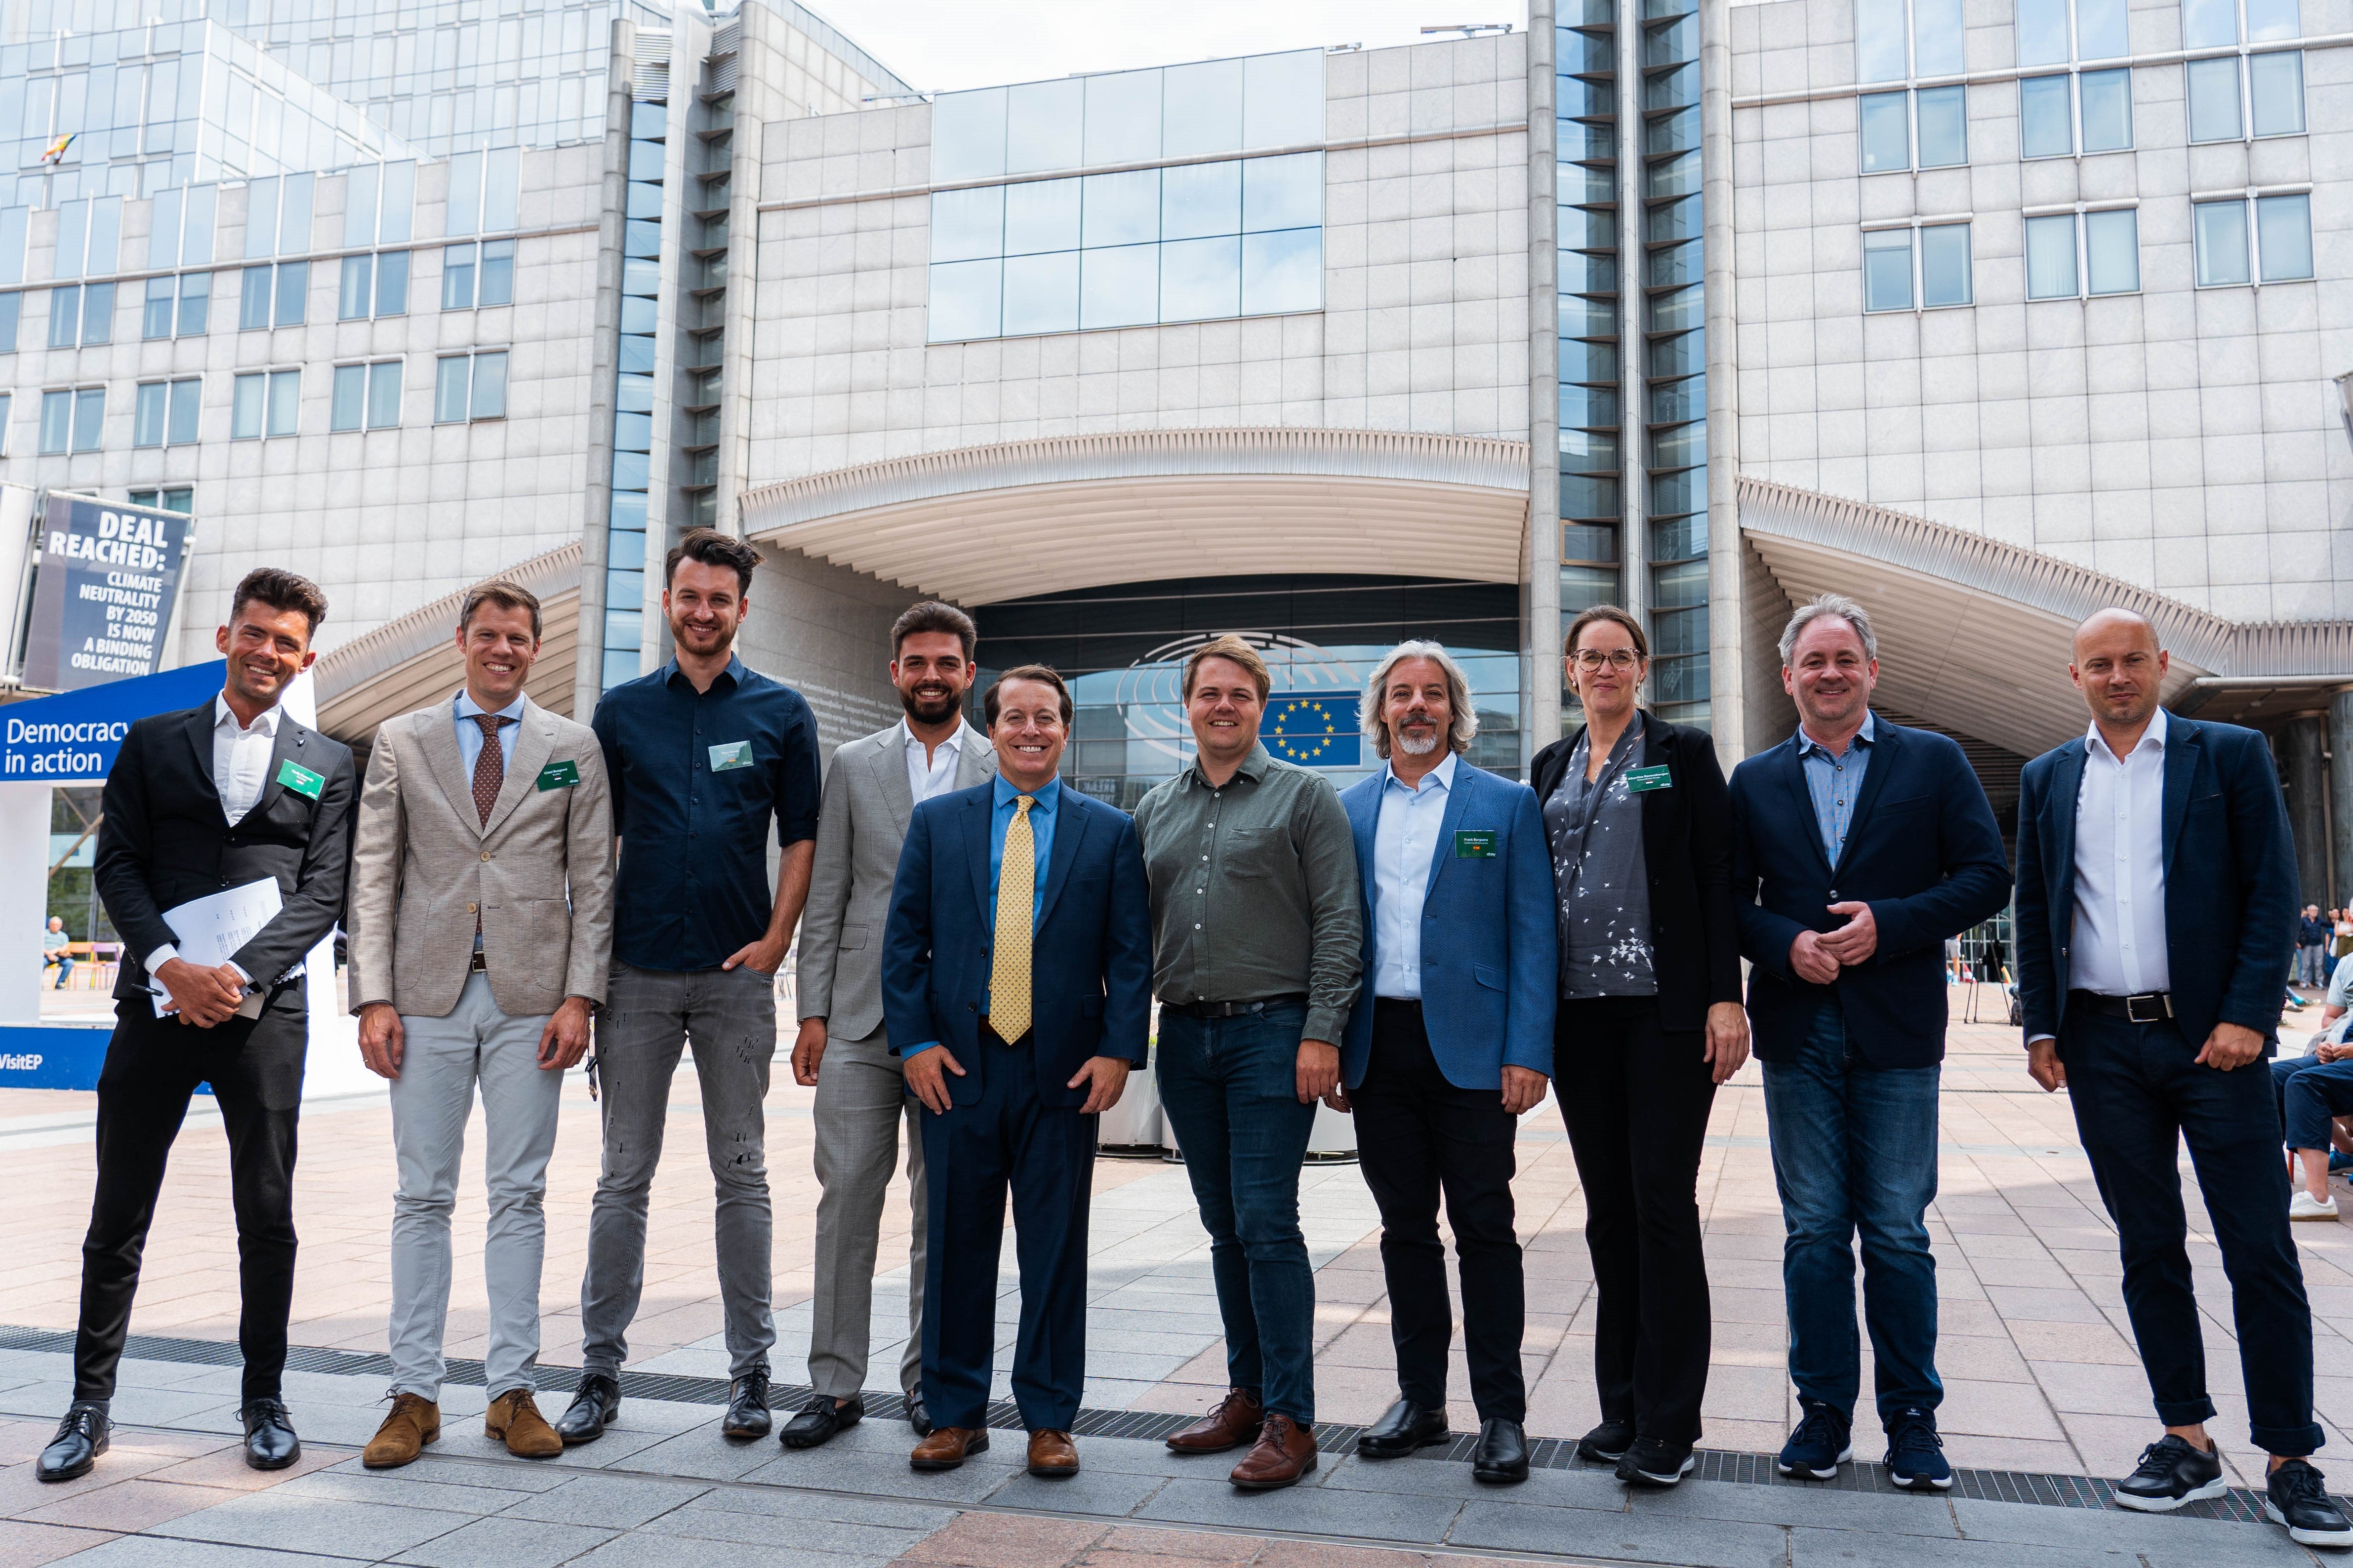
1591,660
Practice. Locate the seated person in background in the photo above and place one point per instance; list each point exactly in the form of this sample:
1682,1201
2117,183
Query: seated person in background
2314,1090
54,941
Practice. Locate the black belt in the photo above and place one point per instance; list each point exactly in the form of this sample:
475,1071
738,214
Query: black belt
2148,1008
1234,1009
480,964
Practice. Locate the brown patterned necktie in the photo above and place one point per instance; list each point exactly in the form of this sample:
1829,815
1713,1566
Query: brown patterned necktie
490,768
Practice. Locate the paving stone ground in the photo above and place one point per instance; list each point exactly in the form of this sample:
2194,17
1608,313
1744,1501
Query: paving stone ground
2036,1351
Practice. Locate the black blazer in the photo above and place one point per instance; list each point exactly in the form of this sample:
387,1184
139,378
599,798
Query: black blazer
2229,880
1922,850
165,840
1687,844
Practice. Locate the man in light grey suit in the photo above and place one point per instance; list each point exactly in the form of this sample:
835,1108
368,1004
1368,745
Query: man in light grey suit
481,926
870,793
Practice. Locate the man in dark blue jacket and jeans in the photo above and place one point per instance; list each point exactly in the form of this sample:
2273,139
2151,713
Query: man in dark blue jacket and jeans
1858,847
2155,904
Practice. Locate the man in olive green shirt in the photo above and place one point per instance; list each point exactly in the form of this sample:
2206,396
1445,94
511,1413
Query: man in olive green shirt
1258,945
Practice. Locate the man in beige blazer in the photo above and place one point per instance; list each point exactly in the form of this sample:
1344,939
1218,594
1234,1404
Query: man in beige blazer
481,923
870,793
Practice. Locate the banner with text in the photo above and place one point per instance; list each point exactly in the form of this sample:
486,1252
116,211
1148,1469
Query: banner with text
104,582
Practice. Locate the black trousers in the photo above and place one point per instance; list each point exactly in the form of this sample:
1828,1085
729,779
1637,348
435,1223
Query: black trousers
1418,1136
1636,1099
152,1067
2139,1095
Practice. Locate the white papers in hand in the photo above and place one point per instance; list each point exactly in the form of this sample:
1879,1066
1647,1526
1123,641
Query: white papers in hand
212,929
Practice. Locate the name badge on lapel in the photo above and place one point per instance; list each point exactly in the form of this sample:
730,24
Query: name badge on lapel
559,775
1474,844
300,779
1639,779
733,755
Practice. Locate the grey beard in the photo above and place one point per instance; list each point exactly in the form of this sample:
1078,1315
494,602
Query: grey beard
1413,747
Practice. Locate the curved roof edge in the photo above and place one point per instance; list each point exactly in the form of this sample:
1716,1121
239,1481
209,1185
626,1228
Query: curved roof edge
2041,582
425,629
1478,461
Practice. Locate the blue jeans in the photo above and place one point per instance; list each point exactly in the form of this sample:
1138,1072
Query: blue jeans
1854,1149
1229,1087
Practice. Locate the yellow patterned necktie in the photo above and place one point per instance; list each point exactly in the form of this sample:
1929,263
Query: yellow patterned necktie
1016,891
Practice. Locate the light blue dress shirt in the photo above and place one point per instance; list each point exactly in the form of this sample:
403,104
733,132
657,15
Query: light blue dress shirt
469,733
1405,837
1835,783
1042,836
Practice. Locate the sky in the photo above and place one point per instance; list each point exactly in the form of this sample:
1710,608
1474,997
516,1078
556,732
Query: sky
943,45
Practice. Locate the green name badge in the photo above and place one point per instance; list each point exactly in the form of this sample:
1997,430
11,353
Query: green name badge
300,779
733,754
1639,779
1474,844
559,775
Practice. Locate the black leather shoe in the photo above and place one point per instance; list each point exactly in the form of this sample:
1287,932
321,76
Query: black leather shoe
269,1440
594,1408
2173,1472
81,1437
919,1414
1655,1462
820,1421
1606,1444
2296,1496
747,1407
1406,1428
1501,1456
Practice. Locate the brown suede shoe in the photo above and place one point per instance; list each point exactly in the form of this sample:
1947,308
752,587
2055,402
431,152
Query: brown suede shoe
1285,1451
1234,1421
948,1446
1052,1454
415,1421
514,1416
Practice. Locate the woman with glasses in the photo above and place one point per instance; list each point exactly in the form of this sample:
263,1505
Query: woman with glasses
1650,1023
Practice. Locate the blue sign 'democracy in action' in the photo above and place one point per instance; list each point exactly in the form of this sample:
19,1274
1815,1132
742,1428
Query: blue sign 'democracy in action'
72,738
1314,730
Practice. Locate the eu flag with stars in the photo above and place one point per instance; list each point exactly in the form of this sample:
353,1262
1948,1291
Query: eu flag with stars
1314,730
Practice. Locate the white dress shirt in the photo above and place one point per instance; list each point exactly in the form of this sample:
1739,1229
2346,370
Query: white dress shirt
2118,946
241,756
1405,837
469,733
934,774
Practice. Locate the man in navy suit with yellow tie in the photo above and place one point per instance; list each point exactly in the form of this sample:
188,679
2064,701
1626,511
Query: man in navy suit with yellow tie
1021,1015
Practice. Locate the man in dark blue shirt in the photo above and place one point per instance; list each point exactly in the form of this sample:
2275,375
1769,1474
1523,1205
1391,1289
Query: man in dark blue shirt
703,755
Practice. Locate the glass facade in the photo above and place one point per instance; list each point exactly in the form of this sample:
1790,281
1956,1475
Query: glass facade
1674,378
634,399
1592,510
710,151
1123,650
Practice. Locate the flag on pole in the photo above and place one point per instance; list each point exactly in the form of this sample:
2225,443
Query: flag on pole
1315,730
58,147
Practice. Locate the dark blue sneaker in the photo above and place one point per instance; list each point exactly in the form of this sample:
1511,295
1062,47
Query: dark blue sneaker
2338,1159
1915,1455
1822,1443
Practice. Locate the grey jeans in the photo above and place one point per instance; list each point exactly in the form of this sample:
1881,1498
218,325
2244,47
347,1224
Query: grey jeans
441,1061
861,1099
730,1015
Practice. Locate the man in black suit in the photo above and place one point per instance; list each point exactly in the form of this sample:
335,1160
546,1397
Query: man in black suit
2155,912
197,803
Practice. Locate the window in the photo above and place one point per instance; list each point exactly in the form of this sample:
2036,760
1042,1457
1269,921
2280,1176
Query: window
1934,270
392,283
265,402
2106,110
147,413
65,316
458,277
156,316
74,420
367,397
357,297
293,293
1201,242
2074,254
470,386
2246,93
253,299
2221,235
1896,41
2084,111
274,296
2280,232
165,414
196,298
10,305
97,313
1941,114
2099,31
2214,100
186,405
3,424
178,498
2283,237
497,280
2046,117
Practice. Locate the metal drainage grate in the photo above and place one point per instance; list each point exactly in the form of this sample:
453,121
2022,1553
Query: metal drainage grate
2240,1503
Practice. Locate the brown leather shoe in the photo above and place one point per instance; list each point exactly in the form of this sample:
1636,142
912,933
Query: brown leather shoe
1052,1454
415,1421
948,1446
1235,1420
1285,1451
514,1416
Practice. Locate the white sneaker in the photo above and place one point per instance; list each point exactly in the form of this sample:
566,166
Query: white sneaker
2304,1206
